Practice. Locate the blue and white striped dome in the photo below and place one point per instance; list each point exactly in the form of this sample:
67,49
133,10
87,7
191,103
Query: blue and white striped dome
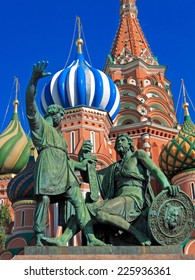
82,85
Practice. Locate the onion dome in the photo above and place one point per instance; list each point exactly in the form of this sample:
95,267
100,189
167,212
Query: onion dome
82,85
22,185
179,153
14,146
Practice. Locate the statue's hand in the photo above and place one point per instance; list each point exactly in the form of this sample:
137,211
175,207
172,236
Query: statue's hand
85,150
83,165
38,71
90,159
87,146
173,190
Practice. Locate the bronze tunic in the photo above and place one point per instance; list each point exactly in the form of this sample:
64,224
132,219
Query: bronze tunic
52,174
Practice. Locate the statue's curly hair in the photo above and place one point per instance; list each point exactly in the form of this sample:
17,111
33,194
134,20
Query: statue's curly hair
53,110
130,141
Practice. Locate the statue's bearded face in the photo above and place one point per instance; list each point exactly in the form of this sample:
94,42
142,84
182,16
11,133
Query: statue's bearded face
57,118
122,145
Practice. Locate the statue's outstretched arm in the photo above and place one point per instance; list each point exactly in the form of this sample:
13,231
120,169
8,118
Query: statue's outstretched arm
37,73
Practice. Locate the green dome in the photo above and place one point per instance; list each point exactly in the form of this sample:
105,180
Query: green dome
14,146
179,153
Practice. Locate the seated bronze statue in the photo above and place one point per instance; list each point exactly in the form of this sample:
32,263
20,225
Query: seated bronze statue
126,196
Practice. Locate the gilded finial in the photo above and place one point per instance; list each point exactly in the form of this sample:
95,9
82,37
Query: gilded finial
16,102
79,41
185,104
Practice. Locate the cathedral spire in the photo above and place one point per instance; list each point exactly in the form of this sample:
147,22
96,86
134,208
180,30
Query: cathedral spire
130,42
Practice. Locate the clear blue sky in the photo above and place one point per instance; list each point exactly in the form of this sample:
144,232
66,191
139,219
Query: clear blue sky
37,30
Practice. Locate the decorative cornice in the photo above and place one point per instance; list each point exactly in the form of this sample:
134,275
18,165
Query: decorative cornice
184,173
24,202
145,125
85,109
7,176
84,117
136,63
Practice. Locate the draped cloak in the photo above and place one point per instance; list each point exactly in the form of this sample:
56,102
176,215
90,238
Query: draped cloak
139,189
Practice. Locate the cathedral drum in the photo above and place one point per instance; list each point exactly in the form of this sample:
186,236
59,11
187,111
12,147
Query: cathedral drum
171,219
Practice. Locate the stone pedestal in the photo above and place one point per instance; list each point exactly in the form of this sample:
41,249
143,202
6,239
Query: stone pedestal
104,253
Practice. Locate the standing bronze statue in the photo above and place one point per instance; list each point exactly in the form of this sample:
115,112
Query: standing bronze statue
54,176
126,192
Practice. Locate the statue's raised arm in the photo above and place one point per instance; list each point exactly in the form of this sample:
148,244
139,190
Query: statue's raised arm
37,73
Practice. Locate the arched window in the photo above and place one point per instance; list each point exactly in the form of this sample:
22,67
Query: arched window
1,201
128,122
192,185
132,82
117,82
92,138
22,218
72,142
146,82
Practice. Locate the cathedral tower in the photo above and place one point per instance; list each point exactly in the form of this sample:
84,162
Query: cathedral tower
146,105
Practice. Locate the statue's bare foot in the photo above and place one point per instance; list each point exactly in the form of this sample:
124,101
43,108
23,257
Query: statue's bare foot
56,241
143,239
146,243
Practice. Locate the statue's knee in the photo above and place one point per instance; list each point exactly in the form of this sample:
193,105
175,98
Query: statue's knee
102,216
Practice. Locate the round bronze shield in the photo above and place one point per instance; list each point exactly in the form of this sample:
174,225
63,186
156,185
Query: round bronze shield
171,219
